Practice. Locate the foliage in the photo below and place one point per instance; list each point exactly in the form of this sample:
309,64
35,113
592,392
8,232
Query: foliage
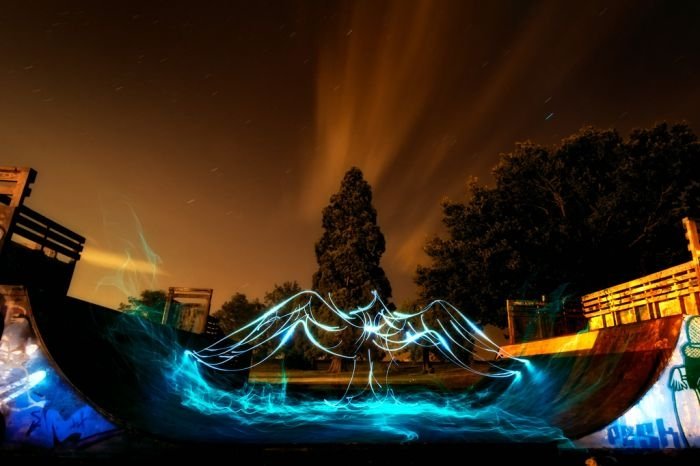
237,312
591,212
281,292
433,318
348,255
299,353
150,305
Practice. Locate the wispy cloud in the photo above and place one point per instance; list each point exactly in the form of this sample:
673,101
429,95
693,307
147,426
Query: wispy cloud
373,86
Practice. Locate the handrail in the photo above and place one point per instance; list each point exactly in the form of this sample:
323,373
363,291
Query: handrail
671,291
47,234
640,284
34,215
675,290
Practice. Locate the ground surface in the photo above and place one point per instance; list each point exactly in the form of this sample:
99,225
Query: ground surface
156,452
404,374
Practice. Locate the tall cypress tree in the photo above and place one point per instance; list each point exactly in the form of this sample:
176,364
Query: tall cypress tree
348,256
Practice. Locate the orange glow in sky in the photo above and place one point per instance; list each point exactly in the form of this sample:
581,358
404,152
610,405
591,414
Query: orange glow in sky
219,133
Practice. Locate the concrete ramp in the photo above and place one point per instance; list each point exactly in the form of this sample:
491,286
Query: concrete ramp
582,382
75,375
39,406
668,414
71,371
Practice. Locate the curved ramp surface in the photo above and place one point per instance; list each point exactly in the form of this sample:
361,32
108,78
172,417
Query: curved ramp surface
100,356
582,382
668,415
37,406
117,362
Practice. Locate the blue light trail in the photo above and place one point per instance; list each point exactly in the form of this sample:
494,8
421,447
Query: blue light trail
375,413
454,336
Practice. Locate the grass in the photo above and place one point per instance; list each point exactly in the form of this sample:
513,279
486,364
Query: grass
446,376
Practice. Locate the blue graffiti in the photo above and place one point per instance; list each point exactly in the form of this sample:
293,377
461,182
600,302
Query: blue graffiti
651,435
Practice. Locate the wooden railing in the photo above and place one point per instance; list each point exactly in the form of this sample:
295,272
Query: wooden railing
675,290
26,227
52,238
671,291
35,251
15,185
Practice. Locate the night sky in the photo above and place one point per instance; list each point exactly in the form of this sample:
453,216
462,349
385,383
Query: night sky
207,140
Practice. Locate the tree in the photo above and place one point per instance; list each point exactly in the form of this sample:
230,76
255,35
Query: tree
299,353
149,305
348,256
434,316
237,312
414,306
281,292
591,212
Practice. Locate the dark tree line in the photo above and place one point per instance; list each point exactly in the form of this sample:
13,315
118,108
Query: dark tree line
591,212
150,305
238,311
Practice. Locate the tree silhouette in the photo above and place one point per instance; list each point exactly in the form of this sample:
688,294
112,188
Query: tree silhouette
150,305
348,256
299,353
591,212
236,312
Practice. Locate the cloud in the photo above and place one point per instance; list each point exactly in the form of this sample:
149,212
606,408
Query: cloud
372,89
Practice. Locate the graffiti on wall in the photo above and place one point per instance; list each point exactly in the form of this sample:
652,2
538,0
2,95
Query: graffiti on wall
37,407
668,416
684,381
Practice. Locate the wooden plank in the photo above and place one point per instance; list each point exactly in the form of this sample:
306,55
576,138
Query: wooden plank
21,231
52,234
34,215
615,311
23,178
624,300
636,304
681,268
671,281
631,303
659,294
7,189
176,290
649,293
651,288
9,175
576,343
191,295
691,233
